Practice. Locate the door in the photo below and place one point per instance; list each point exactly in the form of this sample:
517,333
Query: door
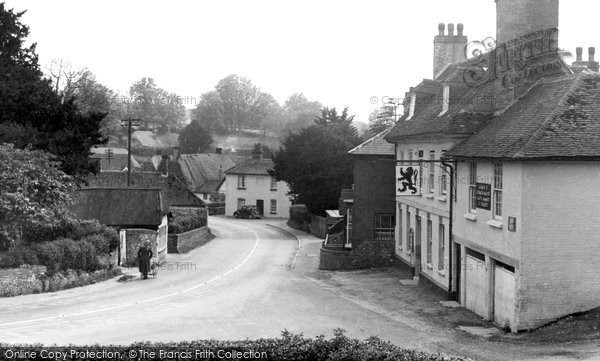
504,297
458,268
260,204
476,284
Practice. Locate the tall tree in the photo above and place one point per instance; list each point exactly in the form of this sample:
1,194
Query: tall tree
382,119
194,139
33,192
299,112
315,161
31,112
159,110
209,113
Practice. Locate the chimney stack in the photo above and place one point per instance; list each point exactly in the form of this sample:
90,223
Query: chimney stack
517,18
579,51
219,151
592,53
448,49
257,153
176,153
220,172
581,65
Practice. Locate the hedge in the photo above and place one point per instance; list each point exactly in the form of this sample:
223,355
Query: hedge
289,347
185,223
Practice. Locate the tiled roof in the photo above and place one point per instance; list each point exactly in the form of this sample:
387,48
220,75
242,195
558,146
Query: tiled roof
253,166
124,207
118,161
147,139
467,112
210,187
377,145
174,191
557,118
197,169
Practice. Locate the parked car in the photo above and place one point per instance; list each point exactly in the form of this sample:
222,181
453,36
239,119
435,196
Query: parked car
250,212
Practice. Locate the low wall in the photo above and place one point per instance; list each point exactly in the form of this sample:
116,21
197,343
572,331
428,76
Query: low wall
133,243
368,254
185,242
31,279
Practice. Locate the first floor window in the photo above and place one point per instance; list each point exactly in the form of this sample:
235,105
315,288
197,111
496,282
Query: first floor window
273,206
498,190
473,187
273,184
431,172
241,202
384,227
241,181
441,246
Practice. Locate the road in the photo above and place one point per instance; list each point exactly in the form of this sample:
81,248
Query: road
251,281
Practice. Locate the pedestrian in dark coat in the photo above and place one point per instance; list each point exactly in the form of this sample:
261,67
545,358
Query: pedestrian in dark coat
144,257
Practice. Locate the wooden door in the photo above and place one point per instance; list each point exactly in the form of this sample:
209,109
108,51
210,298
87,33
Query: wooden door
476,287
504,297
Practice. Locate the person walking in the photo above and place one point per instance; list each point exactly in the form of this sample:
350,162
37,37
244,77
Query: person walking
144,257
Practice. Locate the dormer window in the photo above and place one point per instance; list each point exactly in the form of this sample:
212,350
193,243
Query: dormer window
413,104
445,100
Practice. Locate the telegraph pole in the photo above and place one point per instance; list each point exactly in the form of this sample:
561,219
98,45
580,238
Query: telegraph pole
129,122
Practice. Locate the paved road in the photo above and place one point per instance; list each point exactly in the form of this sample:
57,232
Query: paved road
251,281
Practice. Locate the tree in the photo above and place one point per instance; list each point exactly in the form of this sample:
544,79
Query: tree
315,163
32,113
209,113
159,110
34,192
194,139
382,119
299,112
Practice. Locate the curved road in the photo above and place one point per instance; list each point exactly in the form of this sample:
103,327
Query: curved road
240,285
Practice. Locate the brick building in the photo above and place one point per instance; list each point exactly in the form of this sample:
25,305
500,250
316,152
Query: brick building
371,209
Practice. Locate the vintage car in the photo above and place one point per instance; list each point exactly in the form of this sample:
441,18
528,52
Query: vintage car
251,212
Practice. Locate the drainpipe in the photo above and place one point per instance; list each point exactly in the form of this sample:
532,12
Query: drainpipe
452,168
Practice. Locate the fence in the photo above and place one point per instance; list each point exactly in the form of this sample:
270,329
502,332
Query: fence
318,226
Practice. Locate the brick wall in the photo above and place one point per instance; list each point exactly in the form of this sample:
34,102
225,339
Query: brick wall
185,242
374,192
517,18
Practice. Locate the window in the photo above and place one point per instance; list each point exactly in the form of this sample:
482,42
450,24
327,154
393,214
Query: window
399,225
384,227
429,241
410,155
413,104
241,182
273,206
445,100
441,245
473,188
498,190
205,195
431,172
241,202
273,184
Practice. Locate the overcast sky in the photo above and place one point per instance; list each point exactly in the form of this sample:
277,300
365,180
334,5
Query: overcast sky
340,53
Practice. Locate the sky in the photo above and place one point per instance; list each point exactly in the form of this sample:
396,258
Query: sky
341,53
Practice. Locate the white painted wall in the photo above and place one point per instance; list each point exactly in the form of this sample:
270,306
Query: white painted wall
257,187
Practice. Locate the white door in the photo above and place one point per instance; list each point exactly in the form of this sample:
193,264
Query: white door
504,297
476,287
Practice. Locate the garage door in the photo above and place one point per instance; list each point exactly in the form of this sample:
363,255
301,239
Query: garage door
504,297
476,287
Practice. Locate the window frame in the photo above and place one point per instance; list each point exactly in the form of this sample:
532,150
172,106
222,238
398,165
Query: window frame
273,184
273,205
441,246
497,190
473,187
431,182
429,240
241,181
240,203
381,233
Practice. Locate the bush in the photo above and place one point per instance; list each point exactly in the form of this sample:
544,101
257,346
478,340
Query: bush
290,347
182,223
17,257
299,213
64,254
50,255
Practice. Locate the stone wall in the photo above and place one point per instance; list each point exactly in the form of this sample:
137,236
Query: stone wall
185,242
370,254
134,241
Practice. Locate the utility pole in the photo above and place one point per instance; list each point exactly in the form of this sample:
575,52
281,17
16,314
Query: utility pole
129,122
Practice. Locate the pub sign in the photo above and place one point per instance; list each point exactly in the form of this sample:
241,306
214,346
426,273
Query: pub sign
483,194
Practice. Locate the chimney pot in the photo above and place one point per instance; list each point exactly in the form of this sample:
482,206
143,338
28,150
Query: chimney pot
592,53
442,29
460,28
450,29
579,51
